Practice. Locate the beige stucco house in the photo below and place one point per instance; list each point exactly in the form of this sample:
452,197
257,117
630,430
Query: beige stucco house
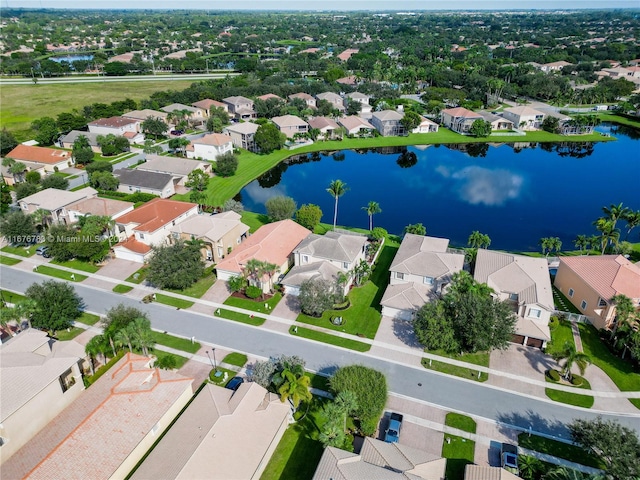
67,141
179,168
426,126
242,108
106,431
524,118
326,125
333,98
243,135
459,119
308,99
387,122
525,283
290,125
48,159
210,146
421,269
222,435
114,126
40,378
355,125
208,104
195,115
54,202
591,282
361,98
221,232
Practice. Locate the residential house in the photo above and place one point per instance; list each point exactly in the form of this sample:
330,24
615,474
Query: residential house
40,378
355,125
194,115
132,181
243,135
290,125
142,115
361,98
346,55
485,472
524,118
351,80
108,429
119,126
149,225
459,119
269,96
242,108
426,126
325,256
221,435
273,243
308,99
378,459
334,99
387,122
105,207
553,66
210,146
524,282
67,141
15,178
49,159
326,125
221,233
497,122
591,282
179,168
421,269
55,203
207,105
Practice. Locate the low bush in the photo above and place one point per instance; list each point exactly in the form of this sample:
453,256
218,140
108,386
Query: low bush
553,375
167,362
253,292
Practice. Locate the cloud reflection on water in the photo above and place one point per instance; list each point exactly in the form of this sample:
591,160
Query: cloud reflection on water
478,185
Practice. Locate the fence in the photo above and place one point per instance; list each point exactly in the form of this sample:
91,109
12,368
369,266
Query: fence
573,317
514,133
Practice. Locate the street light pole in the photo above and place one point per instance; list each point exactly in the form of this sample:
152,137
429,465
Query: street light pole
213,362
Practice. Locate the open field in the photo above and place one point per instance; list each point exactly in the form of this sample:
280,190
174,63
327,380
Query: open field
21,104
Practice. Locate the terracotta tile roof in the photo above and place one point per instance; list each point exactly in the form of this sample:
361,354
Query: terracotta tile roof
288,121
154,214
268,96
304,96
94,435
135,246
273,243
608,275
346,55
350,80
323,122
216,139
461,112
207,103
28,153
113,122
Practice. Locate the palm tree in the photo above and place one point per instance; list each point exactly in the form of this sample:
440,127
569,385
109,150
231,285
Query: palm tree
615,212
332,436
361,271
336,189
633,221
21,311
125,336
571,356
372,208
594,242
141,334
478,240
566,473
581,242
545,245
609,234
98,345
625,310
347,403
528,466
295,387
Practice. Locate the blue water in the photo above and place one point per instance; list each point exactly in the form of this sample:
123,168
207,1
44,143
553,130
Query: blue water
514,195
71,58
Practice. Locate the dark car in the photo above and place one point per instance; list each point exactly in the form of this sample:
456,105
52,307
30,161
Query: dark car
509,457
177,133
392,433
234,383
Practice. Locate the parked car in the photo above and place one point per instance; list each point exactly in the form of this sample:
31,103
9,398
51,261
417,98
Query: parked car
234,383
509,458
392,433
44,251
177,133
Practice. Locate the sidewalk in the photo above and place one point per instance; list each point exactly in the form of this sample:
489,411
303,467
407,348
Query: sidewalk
398,353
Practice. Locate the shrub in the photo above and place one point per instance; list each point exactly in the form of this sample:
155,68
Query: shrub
253,292
553,322
576,380
226,164
368,426
378,233
236,283
553,375
166,362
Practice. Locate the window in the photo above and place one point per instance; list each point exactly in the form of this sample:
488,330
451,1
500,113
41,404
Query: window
428,280
141,236
535,312
571,292
583,305
513,297
130,188
602,302
345,265
400,276
305,258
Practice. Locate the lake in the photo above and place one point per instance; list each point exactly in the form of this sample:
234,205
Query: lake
71,58
515,193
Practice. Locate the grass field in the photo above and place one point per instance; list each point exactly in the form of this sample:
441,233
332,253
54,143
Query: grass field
8,260
61,274
253,305
567,451
235,358
21,251
173,301
120,288
198,289
459,452
585,401
178,343
22,104
330,339
560,335
239,317
461,422
454,370
77,265
89,318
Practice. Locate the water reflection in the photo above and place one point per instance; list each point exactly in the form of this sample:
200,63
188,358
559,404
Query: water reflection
407,160
483,186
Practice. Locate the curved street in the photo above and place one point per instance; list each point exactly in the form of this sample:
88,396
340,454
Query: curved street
450,392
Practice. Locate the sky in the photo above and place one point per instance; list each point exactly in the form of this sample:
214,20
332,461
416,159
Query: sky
325,4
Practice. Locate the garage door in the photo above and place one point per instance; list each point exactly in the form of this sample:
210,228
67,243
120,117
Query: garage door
519,339
397,313
126,254
534,342
289,290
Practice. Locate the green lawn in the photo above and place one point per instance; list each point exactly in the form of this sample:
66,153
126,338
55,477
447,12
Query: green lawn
239,317
89,318
173,301
183,344
563,303
64,335
330,339
235,358
478,358
122,288
254,220
254,305
8,260
567,451
198,289
179,359
363,317
560,335
621,119
635,402
77,265
141,275
621,372
454,370
62,274
461,422
585,401
459,452
298,453
21,251
220,380
11,297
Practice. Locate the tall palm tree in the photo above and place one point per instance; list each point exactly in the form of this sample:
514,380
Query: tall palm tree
571,356
528,466
125,336
336,189
372,208
594,242
141,334
609,234
566,473
625,311
347,403
615,212
581,242
98,345
295,387
633,221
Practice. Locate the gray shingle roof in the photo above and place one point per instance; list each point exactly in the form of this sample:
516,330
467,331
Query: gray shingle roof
73,135
170,165
311,271
140,178
335,246
426,256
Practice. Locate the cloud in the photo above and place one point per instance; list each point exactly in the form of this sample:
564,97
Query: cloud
484,186
261,195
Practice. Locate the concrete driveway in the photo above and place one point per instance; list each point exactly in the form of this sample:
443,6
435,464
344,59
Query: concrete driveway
526,362
120,269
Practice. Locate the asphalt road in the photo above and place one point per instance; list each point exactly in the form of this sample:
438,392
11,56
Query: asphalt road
450,392
103,79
